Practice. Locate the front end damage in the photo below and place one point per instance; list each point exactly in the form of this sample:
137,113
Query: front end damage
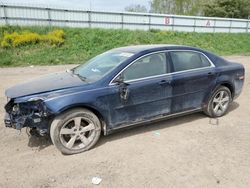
32,114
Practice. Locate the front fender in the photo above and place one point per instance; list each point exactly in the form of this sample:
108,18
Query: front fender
93,99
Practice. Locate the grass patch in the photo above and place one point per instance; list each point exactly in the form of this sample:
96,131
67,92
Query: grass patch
82,44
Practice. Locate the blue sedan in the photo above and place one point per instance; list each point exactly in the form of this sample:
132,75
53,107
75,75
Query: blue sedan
122,88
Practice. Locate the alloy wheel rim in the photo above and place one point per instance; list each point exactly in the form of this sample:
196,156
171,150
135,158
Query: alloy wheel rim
220,102
77,133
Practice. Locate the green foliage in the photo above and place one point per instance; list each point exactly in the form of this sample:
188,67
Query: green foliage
82,44
15,39
136,8
213,8
228,8
180,7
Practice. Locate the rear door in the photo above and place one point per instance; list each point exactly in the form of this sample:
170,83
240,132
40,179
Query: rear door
193,77
145,93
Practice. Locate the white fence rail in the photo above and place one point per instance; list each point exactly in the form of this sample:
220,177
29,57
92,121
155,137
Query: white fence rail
44,16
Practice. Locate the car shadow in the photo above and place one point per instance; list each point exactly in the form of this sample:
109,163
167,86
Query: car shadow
234,105
39,143
42,142
151,127
178,121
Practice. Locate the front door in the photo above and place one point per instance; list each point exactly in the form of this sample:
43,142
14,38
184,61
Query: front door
144,94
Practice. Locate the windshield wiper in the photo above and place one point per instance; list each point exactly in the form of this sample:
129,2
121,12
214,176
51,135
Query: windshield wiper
83,78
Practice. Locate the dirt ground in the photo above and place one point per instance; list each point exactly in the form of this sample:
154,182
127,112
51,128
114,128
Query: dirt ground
190,151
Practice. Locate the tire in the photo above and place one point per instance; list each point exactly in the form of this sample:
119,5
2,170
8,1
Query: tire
219,102
75,131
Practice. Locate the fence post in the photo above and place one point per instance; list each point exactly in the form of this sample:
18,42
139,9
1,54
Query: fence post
214,25
5,14
194,24
247,26
149,22
49,16
122,19
230,26
89,18
172,23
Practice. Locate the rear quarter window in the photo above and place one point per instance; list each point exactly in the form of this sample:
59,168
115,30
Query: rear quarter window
187,60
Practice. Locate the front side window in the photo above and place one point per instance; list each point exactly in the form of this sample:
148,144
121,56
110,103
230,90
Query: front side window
151,65
187,60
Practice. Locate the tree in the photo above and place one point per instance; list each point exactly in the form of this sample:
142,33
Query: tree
181,7
136,8
228,8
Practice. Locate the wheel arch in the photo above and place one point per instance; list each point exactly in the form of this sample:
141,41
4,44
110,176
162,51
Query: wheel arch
219,84
207,107
97,112
229,86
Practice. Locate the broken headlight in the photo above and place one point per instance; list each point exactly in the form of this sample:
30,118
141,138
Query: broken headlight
15,109
32,107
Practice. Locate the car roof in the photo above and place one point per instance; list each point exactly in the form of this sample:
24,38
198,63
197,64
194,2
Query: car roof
153,47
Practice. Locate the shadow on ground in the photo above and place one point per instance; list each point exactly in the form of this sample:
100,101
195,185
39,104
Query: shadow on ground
39,142
234,105
179,121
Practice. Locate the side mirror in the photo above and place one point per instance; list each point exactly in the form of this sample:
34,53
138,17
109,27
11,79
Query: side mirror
119,80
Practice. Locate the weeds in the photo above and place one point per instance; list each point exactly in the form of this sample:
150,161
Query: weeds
16,39
82,44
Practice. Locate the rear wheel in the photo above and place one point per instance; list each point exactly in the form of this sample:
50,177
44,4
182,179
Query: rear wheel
219,102
75,131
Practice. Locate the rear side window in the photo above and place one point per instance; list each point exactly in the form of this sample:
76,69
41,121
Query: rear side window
187,60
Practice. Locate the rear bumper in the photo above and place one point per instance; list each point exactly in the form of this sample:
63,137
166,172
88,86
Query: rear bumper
238,85
236,95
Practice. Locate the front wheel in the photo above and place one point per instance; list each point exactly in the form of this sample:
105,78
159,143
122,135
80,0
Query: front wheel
75,131
219,102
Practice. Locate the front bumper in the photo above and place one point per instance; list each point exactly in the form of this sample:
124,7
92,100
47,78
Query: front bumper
7,120
32,114
39,126
34,121
16,123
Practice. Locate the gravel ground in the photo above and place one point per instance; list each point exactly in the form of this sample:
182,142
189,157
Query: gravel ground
190,151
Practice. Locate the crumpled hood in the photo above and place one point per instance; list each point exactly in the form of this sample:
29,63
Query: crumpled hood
47,83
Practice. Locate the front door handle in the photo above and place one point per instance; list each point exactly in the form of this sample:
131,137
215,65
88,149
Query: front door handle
164,82
210,73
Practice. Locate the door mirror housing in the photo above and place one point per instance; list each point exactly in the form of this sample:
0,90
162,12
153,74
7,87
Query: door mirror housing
119,79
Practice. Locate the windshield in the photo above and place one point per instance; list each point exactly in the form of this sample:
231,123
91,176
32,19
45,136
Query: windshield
100,65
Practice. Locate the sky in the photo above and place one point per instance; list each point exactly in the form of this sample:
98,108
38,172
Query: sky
110,5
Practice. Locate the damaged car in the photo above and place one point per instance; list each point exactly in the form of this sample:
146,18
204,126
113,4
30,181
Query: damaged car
122,88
